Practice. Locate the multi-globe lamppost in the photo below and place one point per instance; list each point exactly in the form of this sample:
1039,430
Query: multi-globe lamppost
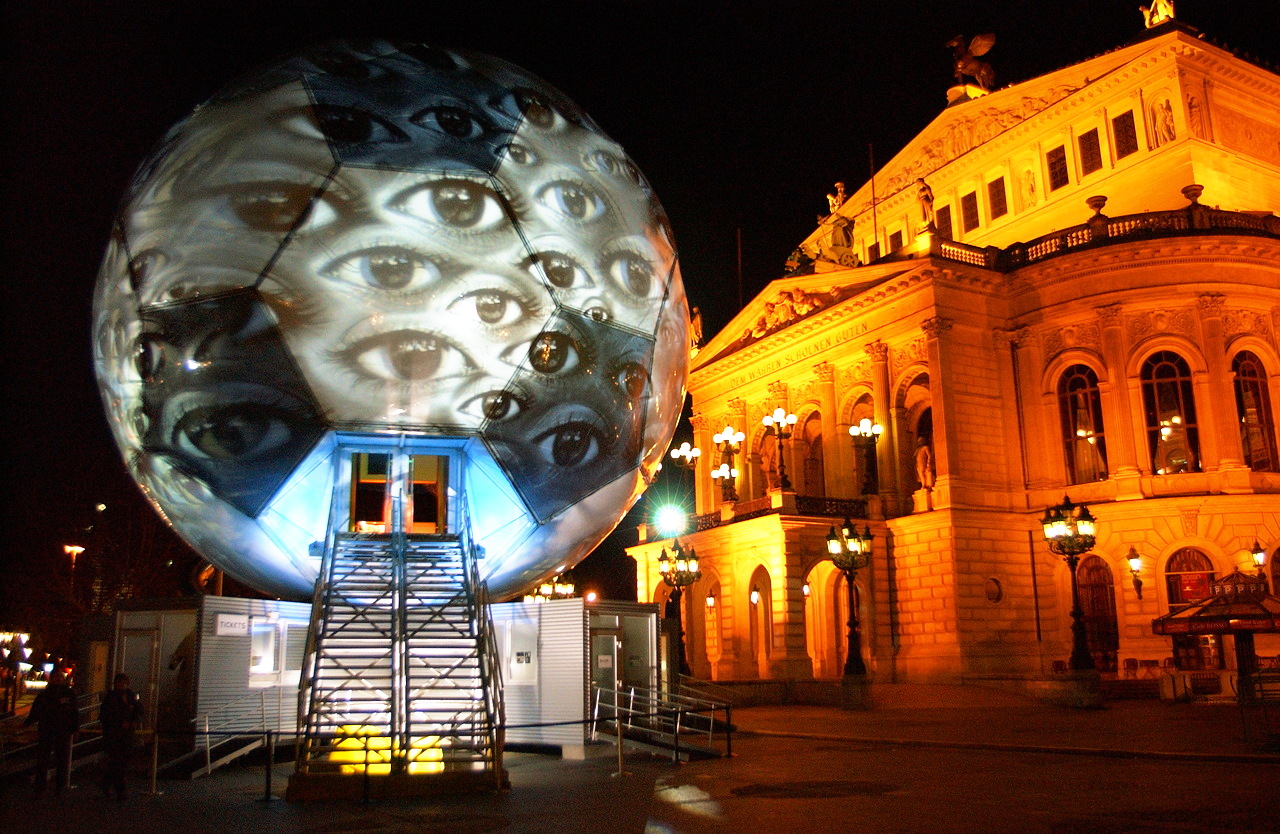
779,425
865,430
679,571
728,442
850,552
1071,531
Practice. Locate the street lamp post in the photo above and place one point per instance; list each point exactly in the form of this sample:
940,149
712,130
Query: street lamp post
851,551
1070,531
728,442
686,456
73,550
865,430
779,425
679,571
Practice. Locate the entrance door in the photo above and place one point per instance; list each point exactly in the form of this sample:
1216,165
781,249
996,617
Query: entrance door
394,489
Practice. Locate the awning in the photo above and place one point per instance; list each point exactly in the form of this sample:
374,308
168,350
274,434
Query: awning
1237,602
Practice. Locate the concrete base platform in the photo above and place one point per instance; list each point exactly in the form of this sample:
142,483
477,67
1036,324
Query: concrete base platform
304,787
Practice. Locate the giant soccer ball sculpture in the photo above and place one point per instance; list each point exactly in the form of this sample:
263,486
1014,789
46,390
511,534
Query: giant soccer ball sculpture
376,246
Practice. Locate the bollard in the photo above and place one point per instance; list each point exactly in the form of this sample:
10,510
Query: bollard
728,731
271,758
155,760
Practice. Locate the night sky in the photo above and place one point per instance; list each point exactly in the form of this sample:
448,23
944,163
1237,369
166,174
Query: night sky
741,114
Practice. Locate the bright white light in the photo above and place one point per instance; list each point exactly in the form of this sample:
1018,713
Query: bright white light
671,520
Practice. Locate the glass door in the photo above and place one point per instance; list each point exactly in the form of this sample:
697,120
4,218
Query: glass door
396,490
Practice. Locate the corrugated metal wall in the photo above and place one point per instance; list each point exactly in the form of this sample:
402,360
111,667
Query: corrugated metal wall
556,688
234,698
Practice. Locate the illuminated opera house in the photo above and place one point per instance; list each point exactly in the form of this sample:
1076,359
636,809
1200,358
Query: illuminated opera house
1068,286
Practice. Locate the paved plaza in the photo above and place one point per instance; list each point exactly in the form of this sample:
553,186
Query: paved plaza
925,759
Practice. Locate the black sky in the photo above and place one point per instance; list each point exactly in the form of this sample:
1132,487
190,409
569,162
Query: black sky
741,114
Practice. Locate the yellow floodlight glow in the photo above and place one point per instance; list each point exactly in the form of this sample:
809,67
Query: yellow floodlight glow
363,750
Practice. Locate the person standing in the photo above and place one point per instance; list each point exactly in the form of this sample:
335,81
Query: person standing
121,713
57,716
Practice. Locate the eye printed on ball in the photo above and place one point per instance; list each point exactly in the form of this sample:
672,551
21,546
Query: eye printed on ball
222,398
572,419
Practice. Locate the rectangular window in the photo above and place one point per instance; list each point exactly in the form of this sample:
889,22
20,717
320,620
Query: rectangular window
943,221
1090,152
969,211
873,252
262,649
1057,159
895,241
996,200
1126,133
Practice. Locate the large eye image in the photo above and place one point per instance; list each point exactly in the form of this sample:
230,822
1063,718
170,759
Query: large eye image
384,268
276,206
234,431
452,121
495,405
553,352
562,271
573,443
405,356
494,307
633,273
353,126
459,203
632,379
572,200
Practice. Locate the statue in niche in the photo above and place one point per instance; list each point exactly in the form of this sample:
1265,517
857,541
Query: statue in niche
1165,131
1160,11
1195,118
924,196
924,463
966,59
1028,187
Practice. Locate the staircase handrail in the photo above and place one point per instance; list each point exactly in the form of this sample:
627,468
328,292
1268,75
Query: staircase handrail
656,706
306,677
490,669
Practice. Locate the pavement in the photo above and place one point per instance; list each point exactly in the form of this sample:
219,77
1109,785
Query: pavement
942,733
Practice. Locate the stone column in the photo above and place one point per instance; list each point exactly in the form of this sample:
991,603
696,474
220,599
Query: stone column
1017,414
737,418
887,453
836,455
1220,443
944,434
705,497
1119,420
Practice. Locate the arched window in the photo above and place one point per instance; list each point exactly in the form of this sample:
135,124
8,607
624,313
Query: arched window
1098,603
1172,435
1253,407
1187,576
811,444
1083,440
760,608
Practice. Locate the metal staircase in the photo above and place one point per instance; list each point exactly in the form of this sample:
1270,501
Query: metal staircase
401,686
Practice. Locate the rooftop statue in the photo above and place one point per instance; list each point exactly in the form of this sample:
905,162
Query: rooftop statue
966,59
1160,11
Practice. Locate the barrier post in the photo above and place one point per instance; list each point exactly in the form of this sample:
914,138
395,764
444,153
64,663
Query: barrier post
271,758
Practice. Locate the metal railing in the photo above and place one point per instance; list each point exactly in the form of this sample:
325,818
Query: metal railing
653,717
236,719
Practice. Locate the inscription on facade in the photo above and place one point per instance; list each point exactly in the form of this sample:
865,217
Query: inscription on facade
770,366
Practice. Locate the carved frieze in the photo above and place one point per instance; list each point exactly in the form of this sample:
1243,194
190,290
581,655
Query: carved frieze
1085,335
963,135
1155,322
1189,516
908,354
1248,135
1245,323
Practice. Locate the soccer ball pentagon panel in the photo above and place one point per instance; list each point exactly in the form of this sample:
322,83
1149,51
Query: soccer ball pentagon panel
390,244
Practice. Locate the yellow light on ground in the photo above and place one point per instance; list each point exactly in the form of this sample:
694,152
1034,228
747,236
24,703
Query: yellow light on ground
363,748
